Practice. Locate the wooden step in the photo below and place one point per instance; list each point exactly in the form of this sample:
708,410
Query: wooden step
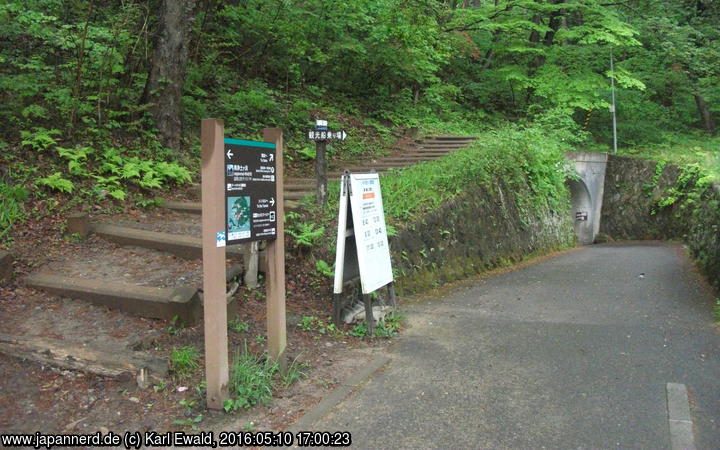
184,246
299,186
186,207
144,301
196,207
297,195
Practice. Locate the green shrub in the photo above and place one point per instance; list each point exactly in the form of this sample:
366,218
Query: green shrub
251,381
11,210
184,360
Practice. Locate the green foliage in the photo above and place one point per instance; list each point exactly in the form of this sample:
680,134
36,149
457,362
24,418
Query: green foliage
184,361
238,326
313,323
175,326
683,149
388,327
11,207
40,139
305,234
307,323
649,187
494,155
251,381
716,310
324,268
57,182
295,372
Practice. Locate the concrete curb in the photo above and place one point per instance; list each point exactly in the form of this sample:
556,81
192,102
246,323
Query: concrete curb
679,418
306,422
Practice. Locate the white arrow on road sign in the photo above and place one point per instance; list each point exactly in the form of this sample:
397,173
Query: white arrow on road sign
272,201
272,156
229,154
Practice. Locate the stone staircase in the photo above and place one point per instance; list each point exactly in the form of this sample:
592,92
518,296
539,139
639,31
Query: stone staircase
178,299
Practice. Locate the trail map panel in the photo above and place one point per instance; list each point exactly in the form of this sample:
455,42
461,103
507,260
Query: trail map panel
370,232
250,212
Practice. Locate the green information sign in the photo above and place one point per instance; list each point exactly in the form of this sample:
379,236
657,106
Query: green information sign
250,211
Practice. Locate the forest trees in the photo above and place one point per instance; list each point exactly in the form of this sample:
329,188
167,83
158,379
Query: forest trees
164,87
95,70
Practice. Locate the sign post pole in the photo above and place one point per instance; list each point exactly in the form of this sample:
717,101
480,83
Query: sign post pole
321,134
321,172
276,326
213,235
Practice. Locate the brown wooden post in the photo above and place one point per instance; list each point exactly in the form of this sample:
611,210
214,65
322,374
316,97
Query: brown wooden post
321,193
78,223
213,221
276,328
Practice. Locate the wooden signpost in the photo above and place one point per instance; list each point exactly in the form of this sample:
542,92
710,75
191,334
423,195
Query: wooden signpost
321,135
362,244
242,201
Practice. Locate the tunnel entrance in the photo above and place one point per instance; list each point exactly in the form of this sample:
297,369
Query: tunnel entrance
582,211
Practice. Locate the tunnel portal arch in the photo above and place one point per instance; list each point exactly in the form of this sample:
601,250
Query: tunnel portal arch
582,211
586,193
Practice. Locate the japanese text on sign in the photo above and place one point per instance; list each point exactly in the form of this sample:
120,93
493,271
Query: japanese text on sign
250,213
370,231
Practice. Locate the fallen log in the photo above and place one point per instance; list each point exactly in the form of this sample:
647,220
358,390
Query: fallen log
91,358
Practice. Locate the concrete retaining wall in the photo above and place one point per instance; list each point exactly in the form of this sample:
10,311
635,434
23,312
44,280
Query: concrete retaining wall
633,209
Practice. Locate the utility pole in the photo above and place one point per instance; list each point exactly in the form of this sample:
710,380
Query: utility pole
612,108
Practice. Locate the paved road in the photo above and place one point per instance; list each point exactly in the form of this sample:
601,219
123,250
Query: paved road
572,352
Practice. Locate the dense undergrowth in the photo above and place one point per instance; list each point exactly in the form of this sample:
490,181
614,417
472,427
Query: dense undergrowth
512,155
691,150
79,92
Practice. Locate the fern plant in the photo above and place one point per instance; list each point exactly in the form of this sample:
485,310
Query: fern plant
56,182
306,234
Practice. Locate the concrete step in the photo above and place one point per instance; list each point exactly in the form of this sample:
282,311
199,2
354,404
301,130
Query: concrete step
390,165
368,169
440,147
151,302
410,159
183,246
449,138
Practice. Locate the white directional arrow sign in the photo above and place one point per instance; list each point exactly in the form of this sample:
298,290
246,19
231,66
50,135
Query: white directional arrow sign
272,157
272,201
229,154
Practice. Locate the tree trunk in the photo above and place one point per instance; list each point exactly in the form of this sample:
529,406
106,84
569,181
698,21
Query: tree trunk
167,70
705,115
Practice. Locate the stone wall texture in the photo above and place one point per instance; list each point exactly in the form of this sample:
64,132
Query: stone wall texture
635,206
479,230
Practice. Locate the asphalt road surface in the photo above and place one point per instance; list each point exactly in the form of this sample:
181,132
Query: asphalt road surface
572,352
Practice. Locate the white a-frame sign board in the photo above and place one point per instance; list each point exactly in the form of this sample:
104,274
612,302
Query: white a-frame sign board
362,243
